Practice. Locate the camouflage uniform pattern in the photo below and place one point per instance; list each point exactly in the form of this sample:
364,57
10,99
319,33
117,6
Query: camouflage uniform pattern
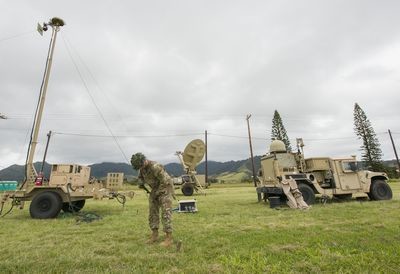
161,194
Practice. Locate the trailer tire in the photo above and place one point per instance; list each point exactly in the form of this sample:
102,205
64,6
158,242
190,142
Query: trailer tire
187,189
45,205
308,193
75,206
380,190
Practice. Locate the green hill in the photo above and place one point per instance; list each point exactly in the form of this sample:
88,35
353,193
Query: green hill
216,169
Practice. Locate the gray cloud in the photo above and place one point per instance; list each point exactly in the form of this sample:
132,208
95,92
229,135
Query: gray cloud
169,70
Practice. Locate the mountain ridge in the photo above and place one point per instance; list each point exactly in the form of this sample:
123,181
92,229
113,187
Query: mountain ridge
99,170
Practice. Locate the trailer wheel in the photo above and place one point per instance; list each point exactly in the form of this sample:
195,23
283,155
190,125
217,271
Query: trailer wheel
45,205
308,193
380,190
75,206
187,189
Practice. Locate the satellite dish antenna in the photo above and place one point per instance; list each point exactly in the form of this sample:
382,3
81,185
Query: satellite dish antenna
40,29
54,22
190,158
193,153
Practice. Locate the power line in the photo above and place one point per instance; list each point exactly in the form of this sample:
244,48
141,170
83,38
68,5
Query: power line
115,110
128,136
93,101
203,116
16,35
237,137
193,134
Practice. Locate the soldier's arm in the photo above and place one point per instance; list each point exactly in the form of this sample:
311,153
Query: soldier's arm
141,182
158,172
140,178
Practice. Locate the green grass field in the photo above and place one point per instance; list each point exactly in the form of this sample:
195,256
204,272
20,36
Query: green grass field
231,233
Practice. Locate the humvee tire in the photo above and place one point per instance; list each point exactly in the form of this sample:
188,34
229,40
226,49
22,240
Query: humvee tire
307,192
45,205
380,190
76,206
187,189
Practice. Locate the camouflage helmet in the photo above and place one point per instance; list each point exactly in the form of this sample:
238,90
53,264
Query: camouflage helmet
137,160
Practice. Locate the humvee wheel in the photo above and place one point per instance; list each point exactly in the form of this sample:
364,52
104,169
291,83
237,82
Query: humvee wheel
75,206
187,189
380,190
308,193
45,205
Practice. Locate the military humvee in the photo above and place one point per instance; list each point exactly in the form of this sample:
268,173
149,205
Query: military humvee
324,176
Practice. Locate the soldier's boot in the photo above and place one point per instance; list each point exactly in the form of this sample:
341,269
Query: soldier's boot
168,240
153,237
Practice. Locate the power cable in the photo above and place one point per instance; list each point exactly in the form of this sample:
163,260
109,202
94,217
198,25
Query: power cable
16,36
93,101
195,134
128,136
115,110
238,137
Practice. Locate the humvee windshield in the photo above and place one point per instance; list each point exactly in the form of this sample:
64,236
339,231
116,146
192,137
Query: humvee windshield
349,166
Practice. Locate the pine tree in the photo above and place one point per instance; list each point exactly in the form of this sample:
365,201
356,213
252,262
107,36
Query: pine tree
371,152
278,131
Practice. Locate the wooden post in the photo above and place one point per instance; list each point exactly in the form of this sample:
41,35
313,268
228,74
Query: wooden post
206,160
394,149
251,151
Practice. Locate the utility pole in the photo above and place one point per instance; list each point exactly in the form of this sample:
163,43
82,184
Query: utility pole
394,149
206,163
251,151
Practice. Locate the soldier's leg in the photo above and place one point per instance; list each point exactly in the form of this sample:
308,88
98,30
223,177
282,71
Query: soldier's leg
154,212
166,212
166,218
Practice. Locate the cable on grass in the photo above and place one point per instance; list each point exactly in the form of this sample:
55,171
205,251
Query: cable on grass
8,212
87,217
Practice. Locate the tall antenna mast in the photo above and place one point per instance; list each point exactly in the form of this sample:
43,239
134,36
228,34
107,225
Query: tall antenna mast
30,172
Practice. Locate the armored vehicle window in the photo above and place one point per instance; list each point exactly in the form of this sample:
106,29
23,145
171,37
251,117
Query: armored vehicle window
286,160
349,166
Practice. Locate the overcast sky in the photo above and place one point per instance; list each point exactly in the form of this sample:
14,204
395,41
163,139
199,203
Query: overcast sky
157,74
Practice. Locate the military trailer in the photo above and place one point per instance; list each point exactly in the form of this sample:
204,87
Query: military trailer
320,176
69,184
67,189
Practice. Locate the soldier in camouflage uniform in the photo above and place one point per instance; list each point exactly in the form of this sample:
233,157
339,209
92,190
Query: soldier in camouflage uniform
161,193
